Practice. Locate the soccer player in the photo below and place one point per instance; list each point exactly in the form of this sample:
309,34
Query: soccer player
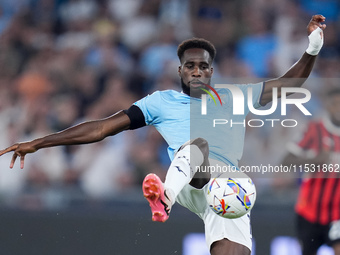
318,203
189,147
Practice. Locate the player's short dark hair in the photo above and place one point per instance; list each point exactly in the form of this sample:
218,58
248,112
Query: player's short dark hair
196,43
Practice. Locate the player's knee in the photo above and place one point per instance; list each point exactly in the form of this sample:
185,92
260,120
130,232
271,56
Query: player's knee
202,144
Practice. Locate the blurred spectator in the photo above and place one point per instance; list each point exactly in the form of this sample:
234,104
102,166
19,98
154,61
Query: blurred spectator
106,54
4,20
123,10
157,59
143,157
257,48
328,8
78,10
86,87
175,14
331,48
140,30
116,95
291,36
103,172
33,86
209,19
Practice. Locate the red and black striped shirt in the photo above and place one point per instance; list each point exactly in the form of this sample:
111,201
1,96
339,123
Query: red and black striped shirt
319,197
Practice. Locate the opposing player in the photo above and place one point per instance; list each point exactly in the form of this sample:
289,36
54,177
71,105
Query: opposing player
318,204
169,111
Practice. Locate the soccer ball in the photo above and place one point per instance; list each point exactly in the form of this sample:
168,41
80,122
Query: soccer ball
231,197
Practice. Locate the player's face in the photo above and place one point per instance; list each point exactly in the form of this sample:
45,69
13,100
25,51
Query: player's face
195,71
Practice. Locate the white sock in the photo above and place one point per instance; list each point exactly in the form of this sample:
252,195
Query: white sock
182,169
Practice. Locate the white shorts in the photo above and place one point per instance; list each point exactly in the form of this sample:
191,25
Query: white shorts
216,228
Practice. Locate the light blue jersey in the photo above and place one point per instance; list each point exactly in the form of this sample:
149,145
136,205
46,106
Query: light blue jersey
178,118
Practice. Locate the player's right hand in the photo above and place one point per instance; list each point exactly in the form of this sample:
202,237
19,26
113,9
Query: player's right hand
315,22
19,149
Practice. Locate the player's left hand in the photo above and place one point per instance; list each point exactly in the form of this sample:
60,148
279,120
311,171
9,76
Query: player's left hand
315,22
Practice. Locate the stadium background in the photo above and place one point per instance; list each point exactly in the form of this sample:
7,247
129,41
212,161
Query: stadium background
66,61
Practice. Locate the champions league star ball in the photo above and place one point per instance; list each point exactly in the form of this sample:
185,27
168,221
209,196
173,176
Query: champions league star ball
231,197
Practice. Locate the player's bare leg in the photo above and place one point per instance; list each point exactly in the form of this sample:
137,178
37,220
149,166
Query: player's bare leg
226,247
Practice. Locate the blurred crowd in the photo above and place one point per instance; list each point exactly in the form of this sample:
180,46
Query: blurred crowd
67,61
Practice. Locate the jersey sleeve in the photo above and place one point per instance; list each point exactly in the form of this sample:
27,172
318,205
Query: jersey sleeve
150,107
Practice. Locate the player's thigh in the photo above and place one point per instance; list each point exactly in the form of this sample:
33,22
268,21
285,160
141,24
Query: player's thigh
226,247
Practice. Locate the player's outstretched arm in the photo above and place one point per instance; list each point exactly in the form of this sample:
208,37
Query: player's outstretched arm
87,132
300,71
